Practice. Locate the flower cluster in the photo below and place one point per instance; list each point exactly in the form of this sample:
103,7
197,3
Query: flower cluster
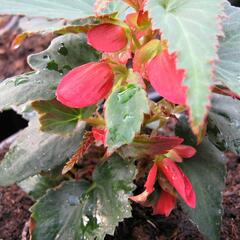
171,180
88,84
133,46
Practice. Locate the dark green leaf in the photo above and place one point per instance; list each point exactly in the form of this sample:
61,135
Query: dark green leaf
125,109
35,151
184,131
59,119
191,28
224,123
37,185
64,53
79,210
207,173
73,9
228,68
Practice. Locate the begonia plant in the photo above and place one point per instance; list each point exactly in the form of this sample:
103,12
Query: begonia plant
154,81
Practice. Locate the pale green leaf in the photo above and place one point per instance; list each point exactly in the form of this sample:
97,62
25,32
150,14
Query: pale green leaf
40,24
191,28
37,185
84,211
35,151
228,67
124,111
73,9
64,53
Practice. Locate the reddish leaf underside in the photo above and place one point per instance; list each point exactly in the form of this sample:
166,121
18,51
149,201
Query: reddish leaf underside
143,146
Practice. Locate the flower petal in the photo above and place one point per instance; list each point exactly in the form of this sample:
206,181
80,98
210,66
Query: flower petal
165,204
99,134
179,180
166,79
85,85
185,151
151,179
140,198
107,37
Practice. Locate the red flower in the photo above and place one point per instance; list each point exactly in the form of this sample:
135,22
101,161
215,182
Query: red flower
99,135
165,204
107,37
149,185
85,85
151,179
166,79
178,180
172,177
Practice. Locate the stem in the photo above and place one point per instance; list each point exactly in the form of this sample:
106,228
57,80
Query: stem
95,121
93,186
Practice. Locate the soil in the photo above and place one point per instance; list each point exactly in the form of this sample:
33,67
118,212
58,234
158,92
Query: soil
15,204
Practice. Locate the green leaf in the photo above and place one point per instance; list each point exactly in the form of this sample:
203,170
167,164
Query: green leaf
224,123
64,53
37,185
207,173
124,113
73,9
79,210
39,24
228,68
191,28
184,131
35,151
59,119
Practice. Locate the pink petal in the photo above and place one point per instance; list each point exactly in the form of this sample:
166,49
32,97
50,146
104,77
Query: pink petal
141,198
165,204
151,179
85,85
166,79
185,151
107,37
179,181
99,134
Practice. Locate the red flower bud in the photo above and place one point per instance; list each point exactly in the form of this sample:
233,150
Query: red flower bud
166,79
185,151
85,85
107,37
165,204
178,180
